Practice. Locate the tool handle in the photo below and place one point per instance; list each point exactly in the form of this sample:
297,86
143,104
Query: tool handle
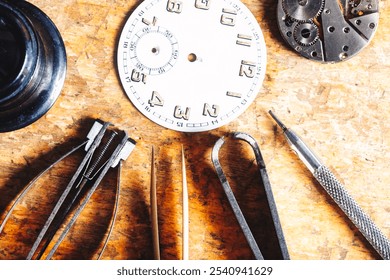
349,206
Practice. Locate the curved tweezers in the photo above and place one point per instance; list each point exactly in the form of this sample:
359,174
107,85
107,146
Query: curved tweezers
234,204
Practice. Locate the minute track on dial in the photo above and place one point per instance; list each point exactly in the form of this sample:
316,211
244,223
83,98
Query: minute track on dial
191,65
154,50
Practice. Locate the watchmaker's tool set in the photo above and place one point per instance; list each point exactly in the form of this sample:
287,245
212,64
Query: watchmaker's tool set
211,50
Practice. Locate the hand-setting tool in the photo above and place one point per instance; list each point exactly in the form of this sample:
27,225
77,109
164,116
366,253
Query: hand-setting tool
337,192
191,65
268,192
328,30
104,150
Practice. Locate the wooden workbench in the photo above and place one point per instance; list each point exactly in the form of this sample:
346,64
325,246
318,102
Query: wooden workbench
342,110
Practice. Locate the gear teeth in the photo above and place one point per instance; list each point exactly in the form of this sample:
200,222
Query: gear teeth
303,10
306,34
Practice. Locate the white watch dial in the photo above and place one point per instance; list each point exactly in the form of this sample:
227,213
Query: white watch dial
191,65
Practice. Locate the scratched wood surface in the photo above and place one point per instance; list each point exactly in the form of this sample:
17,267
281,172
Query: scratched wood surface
341,110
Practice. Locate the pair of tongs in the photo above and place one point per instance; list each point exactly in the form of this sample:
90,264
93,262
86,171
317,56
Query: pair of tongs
268,192
104,149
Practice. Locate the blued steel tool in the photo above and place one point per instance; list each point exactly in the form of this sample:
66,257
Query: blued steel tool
104,149
337,192
268,192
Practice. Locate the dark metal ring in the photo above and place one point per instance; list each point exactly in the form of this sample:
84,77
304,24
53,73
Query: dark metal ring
32,64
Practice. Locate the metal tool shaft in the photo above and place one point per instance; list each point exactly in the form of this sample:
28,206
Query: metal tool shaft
338,193
126,145
233,202
254,246
353,211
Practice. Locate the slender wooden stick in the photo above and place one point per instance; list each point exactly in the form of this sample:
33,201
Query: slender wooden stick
154,212
185,231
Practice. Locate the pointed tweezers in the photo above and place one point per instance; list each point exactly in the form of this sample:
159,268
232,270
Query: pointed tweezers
154,213
154,209
185,229
268,192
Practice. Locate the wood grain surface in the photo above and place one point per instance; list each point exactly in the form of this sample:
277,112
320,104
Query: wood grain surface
341,110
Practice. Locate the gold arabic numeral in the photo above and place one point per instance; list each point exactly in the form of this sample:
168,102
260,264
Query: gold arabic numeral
202,4
150,22
244,40
174,6
212,111
138,76
179,113
156,99
228,17
247,69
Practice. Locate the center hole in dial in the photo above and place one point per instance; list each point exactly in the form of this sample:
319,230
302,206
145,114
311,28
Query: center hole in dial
192,57
155,50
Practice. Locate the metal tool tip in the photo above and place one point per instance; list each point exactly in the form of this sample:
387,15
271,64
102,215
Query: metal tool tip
284,128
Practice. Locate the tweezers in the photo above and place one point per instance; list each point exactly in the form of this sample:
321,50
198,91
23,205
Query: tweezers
268,192
154,210
99,158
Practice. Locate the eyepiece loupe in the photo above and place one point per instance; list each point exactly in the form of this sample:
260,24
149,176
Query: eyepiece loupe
32,64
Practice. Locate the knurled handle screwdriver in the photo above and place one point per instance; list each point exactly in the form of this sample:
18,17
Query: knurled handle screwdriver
337,192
